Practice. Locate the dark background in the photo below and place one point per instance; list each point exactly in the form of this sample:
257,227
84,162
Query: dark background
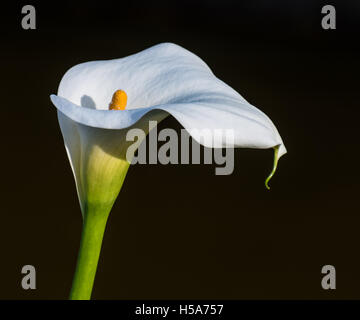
181,231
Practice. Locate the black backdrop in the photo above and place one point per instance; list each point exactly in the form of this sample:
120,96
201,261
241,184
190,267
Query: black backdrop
181,231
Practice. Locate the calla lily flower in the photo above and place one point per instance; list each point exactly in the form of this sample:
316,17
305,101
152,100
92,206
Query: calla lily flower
163,80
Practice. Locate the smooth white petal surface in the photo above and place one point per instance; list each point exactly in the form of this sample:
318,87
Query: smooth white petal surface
164,79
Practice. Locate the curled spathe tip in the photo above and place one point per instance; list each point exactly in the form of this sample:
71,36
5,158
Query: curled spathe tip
276,158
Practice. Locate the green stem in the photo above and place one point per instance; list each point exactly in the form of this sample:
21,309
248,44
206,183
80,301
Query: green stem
89,252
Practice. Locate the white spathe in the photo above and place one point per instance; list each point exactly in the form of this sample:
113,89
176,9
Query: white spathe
161,80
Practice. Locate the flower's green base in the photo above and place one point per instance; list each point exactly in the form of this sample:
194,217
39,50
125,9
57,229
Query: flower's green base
102,178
